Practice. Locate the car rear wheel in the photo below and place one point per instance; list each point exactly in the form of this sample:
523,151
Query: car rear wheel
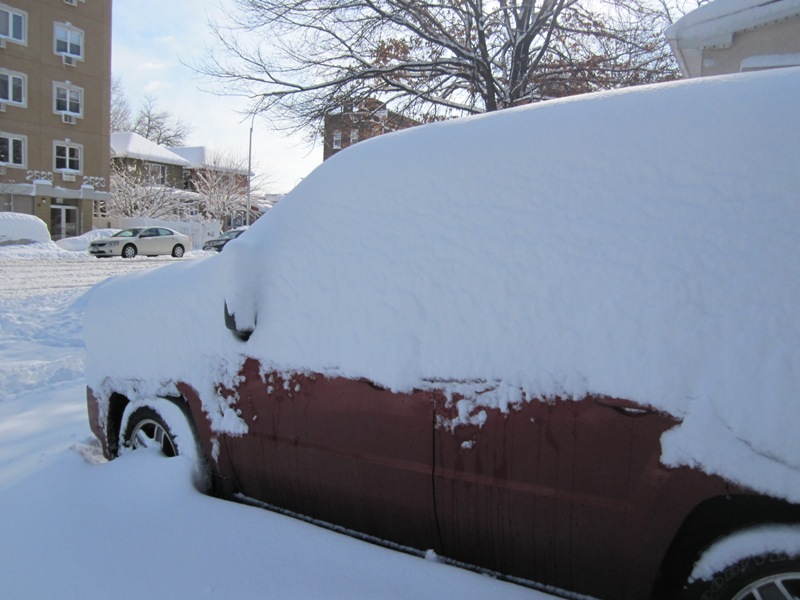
177,251
765,577
129,251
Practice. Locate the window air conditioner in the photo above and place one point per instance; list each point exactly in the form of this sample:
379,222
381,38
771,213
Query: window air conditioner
68,60
65,118
2,42
67,176
2,107
2,169
71,2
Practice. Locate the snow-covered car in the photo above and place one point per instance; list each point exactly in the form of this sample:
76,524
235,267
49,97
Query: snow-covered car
150,241
559,342
20,229
218,243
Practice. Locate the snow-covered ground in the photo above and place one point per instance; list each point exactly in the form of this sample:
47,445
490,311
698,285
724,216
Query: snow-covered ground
75,526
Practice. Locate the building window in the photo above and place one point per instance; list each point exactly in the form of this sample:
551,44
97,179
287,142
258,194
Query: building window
68,98
100,208
67,156
12,24
12,150
13,87
157,174
353,136
337,140
188,180
69,40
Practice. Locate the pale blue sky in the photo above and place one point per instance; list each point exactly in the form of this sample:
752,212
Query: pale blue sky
150,39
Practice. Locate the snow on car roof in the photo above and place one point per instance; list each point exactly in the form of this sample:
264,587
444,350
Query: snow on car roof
17,228
637,243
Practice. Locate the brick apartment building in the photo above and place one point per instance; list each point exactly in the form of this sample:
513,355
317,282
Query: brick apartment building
55,82
359,121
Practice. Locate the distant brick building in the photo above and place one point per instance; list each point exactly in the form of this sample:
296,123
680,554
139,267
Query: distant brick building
359,121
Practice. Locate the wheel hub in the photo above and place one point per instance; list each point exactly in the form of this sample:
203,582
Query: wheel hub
783,586
150,434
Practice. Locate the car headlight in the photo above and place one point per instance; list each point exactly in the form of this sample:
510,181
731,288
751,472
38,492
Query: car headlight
114,243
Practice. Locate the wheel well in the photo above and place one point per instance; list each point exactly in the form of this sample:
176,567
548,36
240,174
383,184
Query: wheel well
116,408
710,521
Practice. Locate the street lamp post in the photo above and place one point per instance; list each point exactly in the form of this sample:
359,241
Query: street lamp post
249,167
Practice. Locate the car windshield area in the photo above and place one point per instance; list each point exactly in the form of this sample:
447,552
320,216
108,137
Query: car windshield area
231,233
127,233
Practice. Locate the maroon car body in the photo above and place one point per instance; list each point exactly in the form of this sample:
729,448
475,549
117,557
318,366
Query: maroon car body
565,493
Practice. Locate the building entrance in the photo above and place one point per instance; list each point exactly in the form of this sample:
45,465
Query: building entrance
63,221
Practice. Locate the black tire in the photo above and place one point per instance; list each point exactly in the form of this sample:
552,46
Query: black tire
146,428
774,576
177,251
129,251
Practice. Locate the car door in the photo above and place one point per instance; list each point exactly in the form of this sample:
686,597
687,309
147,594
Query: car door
548,491
168,240
340,450
149,241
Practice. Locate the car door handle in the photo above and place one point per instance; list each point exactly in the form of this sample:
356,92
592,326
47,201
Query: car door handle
623,406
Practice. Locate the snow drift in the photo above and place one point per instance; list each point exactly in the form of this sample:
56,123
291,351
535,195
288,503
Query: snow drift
639,244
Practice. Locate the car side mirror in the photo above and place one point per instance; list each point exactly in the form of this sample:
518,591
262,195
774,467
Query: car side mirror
230,323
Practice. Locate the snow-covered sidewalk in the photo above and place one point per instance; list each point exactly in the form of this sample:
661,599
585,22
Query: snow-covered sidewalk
75,526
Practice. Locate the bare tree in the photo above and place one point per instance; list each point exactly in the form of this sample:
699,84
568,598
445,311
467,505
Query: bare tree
159,126
222,185
302,58
121,118
134,194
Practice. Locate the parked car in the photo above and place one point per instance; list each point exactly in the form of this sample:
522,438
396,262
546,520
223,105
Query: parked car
218,243
150,241
557,342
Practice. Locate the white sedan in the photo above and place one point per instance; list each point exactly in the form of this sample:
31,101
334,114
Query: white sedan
150,241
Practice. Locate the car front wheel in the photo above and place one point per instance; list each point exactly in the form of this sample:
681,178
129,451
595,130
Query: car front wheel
177,251
764,577
147,429
129,251
162,425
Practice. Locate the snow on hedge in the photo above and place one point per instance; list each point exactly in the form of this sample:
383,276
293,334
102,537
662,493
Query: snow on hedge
639,243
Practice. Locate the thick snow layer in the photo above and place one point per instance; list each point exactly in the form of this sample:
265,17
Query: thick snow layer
640,244
17,228
133,145
76,527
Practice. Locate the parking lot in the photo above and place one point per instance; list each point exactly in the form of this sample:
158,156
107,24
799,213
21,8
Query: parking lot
25,277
